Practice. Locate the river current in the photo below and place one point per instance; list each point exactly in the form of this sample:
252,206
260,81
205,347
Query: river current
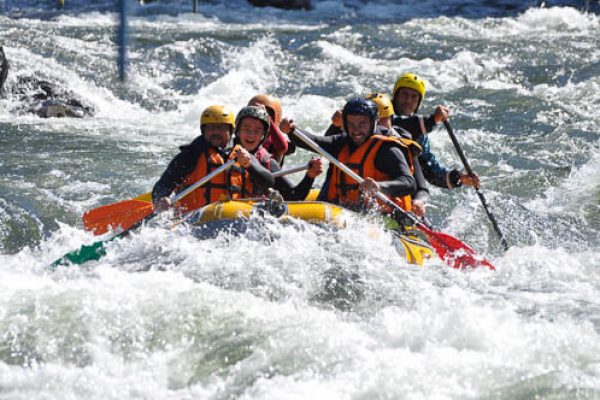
301,312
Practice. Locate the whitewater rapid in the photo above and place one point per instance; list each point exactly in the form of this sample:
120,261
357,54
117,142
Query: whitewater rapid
301,312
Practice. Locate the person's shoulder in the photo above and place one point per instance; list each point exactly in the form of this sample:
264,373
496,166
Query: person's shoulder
391,143
341,137
197,145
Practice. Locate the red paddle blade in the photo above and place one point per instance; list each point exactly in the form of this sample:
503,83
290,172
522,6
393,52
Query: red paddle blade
123,214
454,252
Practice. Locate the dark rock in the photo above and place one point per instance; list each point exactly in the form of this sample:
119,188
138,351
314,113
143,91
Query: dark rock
40,97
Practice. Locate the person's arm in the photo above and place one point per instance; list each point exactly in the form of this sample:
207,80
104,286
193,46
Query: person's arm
422,193
291,148
333,130
276,143
302,189
178,168
390,159
436,173
259,174
421,196
331,144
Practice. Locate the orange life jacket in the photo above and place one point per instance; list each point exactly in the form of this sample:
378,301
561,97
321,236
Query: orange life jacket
344,190
247,187
227,185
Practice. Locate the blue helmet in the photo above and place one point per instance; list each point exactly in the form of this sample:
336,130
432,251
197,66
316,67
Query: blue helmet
360,106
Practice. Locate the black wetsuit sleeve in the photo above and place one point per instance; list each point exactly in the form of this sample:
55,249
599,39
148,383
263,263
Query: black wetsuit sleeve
444,179
291,148
331,144
422,192
183,164
259,174
290,192
390,160
333,130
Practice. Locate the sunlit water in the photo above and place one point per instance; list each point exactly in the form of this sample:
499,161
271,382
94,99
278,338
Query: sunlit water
295,312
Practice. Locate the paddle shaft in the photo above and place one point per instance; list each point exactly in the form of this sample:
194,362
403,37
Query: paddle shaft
283,172
478,190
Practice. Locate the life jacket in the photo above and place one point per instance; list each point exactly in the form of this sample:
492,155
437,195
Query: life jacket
225,186
248,189
344,190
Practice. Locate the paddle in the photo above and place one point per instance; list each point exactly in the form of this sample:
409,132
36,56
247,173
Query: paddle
127,212
144,213
450,249
491,216
284,172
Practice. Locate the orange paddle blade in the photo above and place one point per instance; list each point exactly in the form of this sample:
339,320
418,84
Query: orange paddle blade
123,214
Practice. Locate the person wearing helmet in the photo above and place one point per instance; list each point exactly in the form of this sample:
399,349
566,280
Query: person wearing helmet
409,92
385,110
252,128
207,152
380,160
276,142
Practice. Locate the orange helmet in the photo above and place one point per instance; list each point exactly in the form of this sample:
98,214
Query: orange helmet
271,103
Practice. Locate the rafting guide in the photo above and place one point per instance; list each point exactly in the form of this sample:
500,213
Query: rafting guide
408,95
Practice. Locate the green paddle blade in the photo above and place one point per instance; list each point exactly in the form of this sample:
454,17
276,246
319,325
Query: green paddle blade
86,253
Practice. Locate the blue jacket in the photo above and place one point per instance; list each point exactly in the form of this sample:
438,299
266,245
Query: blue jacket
435,173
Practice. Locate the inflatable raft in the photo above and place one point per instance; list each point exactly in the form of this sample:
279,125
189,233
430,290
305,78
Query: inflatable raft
235,214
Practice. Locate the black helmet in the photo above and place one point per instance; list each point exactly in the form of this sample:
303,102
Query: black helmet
360,106
256,112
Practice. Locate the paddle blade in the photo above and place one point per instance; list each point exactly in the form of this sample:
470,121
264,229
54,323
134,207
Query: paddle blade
124,214
453,251
86,253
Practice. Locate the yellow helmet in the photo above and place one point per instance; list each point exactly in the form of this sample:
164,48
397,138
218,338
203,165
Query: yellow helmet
217,115
410,81
384,104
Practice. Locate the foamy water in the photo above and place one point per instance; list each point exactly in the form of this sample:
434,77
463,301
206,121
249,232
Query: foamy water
297,311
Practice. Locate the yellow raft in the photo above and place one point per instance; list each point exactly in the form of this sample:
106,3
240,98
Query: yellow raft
412,246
